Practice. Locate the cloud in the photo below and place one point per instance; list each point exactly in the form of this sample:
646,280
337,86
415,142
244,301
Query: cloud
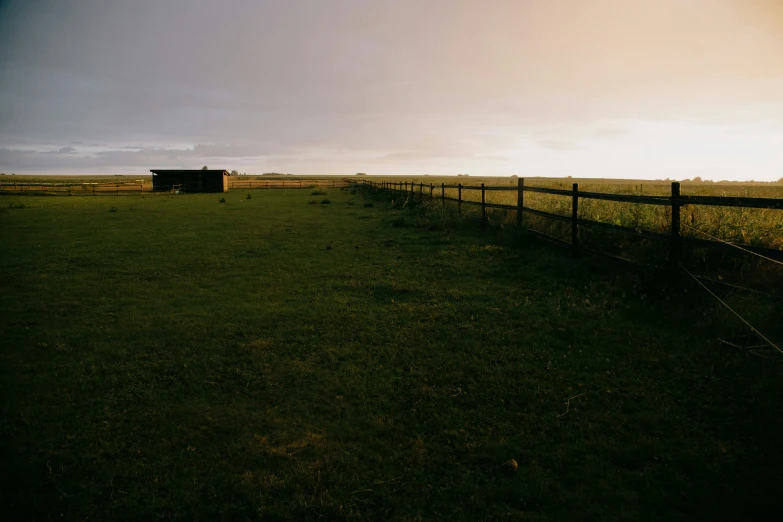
61,151
67,158
559,144
432,146
352,81
420,154
610,132
234,151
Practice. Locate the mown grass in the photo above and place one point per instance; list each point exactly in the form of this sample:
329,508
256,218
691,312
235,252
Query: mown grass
185,359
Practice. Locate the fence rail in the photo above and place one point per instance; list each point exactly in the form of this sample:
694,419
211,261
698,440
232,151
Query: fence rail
138,187
73,189
675,201
283,183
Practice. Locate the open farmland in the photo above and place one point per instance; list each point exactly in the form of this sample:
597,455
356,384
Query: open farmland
182,358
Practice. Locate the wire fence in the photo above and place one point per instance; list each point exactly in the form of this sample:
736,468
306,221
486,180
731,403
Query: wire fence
674,203
570,211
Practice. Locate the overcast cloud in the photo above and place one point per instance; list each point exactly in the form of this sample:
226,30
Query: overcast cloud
659,88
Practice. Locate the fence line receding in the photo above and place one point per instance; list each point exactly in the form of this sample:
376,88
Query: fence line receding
675,201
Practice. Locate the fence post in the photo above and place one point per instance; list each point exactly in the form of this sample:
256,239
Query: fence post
421,192
575,219
431,188
675,246
443,195
483,205
520,199
413,194
459,198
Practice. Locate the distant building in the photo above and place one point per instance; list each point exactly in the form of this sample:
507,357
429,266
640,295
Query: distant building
190,180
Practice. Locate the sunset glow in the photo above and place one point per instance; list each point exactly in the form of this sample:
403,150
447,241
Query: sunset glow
594,88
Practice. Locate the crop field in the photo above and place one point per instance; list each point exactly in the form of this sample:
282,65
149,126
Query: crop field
330,354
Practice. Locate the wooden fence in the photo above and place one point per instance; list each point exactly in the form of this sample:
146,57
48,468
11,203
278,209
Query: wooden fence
137,187
286,183
74,189
675,201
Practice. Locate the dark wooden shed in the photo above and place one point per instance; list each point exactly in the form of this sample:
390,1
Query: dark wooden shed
190,180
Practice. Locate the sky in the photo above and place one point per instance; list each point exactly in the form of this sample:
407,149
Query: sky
645,89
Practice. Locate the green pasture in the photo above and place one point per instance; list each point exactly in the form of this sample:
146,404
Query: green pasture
172,357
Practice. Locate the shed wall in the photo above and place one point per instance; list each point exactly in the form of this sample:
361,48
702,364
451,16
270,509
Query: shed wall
190,181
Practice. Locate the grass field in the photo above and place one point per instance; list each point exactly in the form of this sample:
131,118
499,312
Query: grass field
268,358
755,227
